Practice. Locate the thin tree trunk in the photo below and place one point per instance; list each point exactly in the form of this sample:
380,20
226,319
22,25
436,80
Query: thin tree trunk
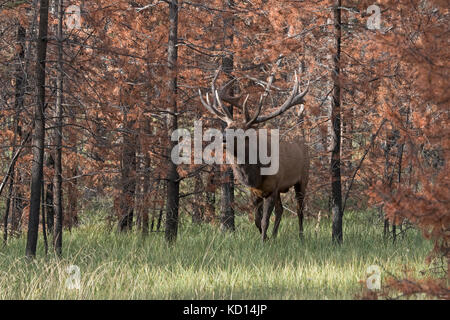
227,200
140,181
58,188
336,193
128,179
211,196
18,104
391,141
7,208
173,184
72,199
44,229
49,209
39,133
197,203
146,191
161,210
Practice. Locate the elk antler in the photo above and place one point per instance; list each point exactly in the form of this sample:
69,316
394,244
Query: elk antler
234,100
225,96
295,98
223,115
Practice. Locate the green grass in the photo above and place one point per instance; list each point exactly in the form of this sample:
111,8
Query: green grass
208,264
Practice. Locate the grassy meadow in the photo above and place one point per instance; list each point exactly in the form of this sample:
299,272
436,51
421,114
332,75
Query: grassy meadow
208,264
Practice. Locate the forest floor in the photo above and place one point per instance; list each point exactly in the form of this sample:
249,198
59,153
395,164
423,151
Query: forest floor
208,264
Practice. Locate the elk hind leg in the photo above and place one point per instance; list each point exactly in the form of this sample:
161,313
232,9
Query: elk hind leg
300,196
258,203
278,214
268,205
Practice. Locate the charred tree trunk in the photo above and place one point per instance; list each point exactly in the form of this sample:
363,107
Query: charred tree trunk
72,198
227,210
389,168
7,207
146,191
161,208
49,209
44,229
173,184
57,179
197,203
39,133
128,179
336,194
139,190
211,196
18,104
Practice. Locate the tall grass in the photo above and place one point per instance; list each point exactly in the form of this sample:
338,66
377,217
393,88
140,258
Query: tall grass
208,264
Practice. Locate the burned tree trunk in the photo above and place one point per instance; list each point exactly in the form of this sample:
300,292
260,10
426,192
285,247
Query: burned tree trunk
336,193
145,190
57,179
128,179
39,133
49,208
18,104
172,177
197,207
227,200
211,195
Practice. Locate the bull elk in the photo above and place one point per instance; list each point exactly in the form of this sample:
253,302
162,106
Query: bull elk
293,156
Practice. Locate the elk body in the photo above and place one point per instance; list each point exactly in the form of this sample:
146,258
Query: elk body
293,159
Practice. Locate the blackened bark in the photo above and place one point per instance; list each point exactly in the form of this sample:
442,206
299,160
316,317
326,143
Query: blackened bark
128,180
227,200
211,206
18,104
389,168
146,187
39,133
72,199
336,193
49,209
139,190
197,209
6,216
57,179
173,184
44,229
20,78
161,210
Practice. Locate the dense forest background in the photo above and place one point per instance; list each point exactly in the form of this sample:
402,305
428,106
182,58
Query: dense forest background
92,90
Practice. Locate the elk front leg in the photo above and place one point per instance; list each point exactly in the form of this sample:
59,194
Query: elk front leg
300,196
278,214
258,204
268,205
